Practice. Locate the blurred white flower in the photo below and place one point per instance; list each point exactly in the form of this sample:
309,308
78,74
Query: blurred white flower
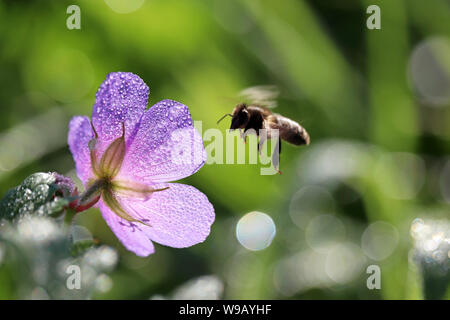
40,250
432,242
202,288
431,252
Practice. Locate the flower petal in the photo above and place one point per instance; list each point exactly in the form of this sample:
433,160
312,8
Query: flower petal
179,217
80,133
129,233
166,146
121,98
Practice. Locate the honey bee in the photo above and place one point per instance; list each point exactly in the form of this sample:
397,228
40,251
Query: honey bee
257,115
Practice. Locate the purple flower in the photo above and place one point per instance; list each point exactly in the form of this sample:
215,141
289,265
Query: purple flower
126,156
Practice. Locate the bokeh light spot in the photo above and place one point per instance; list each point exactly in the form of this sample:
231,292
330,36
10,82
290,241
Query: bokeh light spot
379,240
324,231
124,7
344,263
309,202
401,175
429,68
255,231
79,233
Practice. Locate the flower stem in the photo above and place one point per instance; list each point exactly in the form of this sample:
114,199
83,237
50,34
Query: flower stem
89,197
69,216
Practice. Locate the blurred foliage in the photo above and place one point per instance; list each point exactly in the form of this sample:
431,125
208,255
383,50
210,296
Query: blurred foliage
378,146
36,253
37,195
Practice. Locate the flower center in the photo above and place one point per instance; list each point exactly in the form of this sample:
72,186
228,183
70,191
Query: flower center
111,161
106,185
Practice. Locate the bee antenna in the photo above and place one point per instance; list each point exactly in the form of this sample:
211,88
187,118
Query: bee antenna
228,114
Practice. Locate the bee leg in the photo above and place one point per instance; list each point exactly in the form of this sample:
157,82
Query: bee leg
279,145
243,135
276,156
260,144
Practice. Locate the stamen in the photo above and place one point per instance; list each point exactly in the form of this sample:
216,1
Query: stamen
133,189
112,158
95,131
112,202
93,152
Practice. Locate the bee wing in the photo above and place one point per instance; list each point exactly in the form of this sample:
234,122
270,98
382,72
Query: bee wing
263,95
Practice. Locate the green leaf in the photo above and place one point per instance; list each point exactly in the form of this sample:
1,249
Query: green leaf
39,194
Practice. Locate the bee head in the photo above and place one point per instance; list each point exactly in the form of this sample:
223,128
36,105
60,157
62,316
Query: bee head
240,117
